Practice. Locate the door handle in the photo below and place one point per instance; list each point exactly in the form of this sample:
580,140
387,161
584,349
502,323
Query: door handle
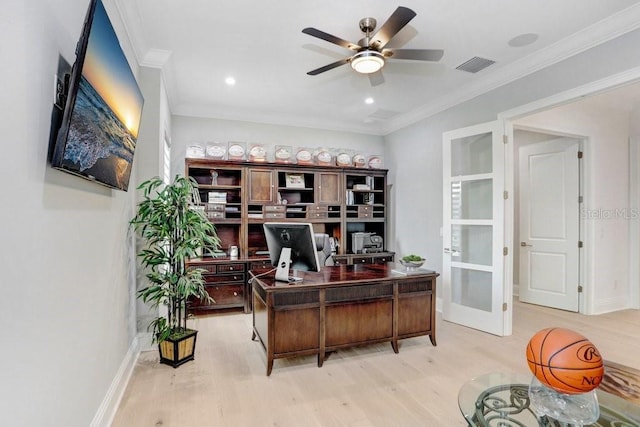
524,244
447,250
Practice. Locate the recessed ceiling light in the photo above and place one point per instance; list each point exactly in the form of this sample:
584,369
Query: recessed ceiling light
523,40
230,81
369,100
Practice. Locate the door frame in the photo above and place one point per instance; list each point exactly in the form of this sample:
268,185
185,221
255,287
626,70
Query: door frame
507,119
583,146
585,300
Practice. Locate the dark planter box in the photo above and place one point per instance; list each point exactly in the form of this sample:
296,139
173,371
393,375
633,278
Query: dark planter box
176,352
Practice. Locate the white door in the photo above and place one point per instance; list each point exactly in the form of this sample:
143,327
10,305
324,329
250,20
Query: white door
474,291
549,223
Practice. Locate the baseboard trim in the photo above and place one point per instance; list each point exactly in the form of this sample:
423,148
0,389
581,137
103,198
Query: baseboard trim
608,305
107,410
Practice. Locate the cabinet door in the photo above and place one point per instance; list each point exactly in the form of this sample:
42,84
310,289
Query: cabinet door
261,185
329,189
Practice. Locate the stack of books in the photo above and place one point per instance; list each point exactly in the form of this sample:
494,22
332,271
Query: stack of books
217,197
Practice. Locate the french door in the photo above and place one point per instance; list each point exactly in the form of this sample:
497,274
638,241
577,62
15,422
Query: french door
474,290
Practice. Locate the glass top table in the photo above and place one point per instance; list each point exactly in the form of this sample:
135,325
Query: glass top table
502,399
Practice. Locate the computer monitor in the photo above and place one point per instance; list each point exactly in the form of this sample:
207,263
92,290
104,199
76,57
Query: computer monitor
292,246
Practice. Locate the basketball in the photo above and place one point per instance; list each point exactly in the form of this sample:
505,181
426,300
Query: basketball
565,361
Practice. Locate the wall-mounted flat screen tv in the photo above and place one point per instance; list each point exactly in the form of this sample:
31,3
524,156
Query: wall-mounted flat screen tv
97,137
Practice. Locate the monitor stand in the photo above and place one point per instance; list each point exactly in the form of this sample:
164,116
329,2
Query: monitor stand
282,271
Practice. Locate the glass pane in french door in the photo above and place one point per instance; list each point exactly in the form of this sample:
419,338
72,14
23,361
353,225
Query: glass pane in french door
472,244
471,288
472,199
471,155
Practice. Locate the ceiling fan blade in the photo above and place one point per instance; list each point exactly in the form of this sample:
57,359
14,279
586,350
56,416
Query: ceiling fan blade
415,54
331,39
328,67
400,17
376,79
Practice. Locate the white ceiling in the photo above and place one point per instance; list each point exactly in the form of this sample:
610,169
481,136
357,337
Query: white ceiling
199,43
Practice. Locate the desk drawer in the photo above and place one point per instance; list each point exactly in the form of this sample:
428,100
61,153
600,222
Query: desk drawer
231,268
226,294
257,265
362,259
317,214
224,278
274,208
383,259
340,260
273,215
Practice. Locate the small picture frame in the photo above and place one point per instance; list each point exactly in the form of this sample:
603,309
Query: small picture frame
294,180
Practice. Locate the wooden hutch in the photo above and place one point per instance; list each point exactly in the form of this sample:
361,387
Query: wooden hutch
239,197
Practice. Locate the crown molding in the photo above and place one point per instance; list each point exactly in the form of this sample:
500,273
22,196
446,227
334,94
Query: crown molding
130,18
256,116
156,58
605,30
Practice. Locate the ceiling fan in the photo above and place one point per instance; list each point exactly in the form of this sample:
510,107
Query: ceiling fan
370,52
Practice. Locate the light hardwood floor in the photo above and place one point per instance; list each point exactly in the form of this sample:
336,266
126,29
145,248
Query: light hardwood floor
226,384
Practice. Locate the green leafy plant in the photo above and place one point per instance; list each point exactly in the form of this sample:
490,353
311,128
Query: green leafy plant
174,229
412,258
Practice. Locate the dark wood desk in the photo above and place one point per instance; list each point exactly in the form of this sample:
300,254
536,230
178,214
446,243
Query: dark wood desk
342,306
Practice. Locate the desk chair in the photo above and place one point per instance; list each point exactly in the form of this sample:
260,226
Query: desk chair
323,246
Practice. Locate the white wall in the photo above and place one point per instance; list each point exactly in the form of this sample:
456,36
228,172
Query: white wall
193,130
414,154
634,204
149,162
67,268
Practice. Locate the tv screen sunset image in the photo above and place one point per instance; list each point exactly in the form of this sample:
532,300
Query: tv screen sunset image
106,117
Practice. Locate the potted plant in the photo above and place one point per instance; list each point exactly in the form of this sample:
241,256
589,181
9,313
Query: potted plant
174,229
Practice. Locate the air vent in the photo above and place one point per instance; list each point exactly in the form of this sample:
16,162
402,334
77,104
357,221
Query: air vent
475,64
381,114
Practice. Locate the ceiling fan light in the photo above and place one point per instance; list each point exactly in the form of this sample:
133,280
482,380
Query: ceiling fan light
367,61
